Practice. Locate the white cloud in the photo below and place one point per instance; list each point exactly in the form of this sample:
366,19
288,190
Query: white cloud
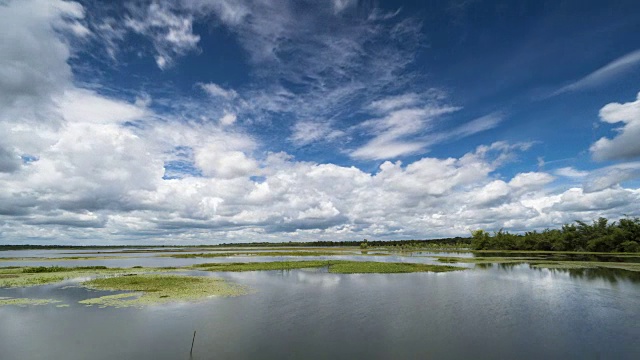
228,119
626,144
395,102
603,74
570,172
395,133
531,180
307,132
216,90
341,5
611,176
475,126
227,164
171,32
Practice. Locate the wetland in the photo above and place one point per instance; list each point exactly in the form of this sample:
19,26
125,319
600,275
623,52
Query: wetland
378,303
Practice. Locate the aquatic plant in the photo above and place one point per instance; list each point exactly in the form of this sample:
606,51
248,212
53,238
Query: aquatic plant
147,289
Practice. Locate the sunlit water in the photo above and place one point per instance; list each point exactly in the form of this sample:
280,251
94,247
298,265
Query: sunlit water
488,312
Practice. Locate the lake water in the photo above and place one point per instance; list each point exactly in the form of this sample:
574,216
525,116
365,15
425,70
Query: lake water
488,312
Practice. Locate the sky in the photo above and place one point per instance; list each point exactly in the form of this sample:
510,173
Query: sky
222,121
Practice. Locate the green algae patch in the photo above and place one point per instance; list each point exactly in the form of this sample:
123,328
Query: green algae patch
35,276
26,280
374,267
23,302
149,289
262,266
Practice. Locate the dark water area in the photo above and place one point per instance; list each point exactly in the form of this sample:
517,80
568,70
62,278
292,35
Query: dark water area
489,312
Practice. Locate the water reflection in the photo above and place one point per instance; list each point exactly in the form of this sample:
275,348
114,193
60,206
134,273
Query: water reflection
563,257
607,274
492,311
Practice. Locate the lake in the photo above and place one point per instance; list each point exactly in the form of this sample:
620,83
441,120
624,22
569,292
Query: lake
488,312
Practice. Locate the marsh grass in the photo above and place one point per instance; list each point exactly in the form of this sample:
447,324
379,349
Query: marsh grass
68,258
263,266
23,302
334,266
50,269
41,275
147,289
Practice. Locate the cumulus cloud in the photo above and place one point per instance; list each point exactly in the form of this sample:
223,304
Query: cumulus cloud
625,145
611,176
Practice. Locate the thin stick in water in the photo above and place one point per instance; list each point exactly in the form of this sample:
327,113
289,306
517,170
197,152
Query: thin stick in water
192,341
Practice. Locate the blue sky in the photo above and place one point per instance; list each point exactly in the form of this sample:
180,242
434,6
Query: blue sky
206,121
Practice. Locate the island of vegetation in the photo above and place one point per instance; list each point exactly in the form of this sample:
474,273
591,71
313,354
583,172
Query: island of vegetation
333,266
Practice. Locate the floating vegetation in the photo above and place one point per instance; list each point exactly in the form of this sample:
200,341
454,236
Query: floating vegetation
22,302
34,276
263,266
67,258
334,266
150,289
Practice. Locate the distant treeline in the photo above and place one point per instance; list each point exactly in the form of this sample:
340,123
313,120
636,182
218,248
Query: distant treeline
446,242
453,242
600,236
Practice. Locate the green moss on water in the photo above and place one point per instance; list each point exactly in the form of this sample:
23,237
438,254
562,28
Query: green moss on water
150,289
22,302
334,266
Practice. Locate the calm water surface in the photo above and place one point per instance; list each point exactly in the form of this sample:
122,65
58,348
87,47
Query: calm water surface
488,312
